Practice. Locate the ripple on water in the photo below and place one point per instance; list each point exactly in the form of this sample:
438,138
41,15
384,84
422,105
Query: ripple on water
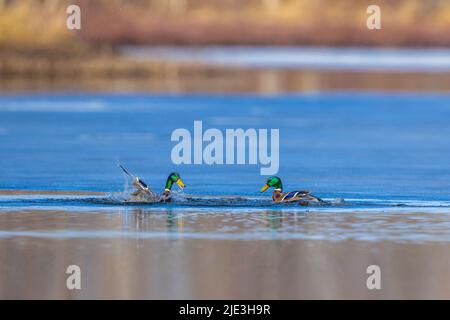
215,218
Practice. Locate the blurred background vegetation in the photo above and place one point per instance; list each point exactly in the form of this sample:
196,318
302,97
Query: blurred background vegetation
41,23
35,43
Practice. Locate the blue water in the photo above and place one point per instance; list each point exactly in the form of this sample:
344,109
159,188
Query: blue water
371,149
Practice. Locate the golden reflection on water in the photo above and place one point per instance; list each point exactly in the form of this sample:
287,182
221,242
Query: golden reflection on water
220,80
130,264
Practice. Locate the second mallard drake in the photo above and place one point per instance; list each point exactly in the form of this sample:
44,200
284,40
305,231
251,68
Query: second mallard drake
303,197
143,193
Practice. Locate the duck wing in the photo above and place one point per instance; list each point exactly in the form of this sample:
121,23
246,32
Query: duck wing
294,194
301,196
141,192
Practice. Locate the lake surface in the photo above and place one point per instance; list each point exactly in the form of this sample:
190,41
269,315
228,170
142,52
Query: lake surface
304,58
265,70
380,160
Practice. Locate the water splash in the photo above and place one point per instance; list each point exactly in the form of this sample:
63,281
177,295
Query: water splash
183,200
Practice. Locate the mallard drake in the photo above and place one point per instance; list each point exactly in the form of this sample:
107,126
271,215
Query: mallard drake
303,196
143,193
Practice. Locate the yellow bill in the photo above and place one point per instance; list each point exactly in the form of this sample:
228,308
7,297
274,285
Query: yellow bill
264,188
180,183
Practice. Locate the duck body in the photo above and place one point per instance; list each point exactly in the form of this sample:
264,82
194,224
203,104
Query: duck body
142,192
302,197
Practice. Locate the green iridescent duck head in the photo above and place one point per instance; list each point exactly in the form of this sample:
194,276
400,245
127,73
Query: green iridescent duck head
273,182
174,177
